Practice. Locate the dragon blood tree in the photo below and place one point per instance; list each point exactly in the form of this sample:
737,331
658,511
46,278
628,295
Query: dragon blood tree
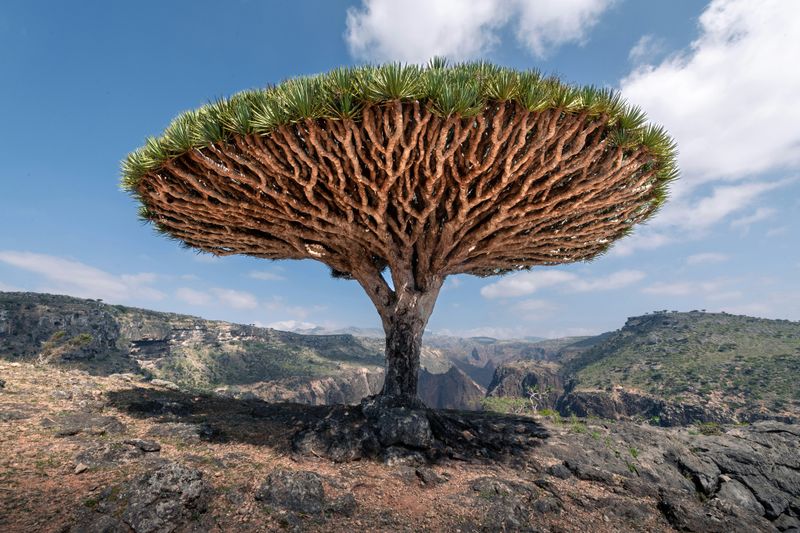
421,171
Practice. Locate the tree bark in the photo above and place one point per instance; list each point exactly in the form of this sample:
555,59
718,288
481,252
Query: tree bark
404,325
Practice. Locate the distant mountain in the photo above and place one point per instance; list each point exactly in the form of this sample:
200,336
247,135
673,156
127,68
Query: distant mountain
732,363
202,355
673,368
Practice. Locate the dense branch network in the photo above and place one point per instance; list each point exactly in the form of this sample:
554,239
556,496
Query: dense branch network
403,187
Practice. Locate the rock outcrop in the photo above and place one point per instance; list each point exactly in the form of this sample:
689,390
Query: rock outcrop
523,378
620,403
452,390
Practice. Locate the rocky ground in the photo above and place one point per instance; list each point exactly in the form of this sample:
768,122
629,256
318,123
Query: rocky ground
115,453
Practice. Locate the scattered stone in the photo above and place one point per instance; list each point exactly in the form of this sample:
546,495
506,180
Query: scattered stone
166,498
73,423
429,477
560,471
9,415
493,488
507,515
397,456
80,468
164,384
185,431
144,445
169,498
160,407
345,505
61,395
547,504
110,454
299,491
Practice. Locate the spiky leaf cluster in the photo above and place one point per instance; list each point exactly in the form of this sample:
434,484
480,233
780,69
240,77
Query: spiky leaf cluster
462,90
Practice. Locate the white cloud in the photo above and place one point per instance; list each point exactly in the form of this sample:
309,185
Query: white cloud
72,277
691,218
762,213
617,280
729,99
646,49
544,25
524,283
645,238
777,231
235,299
217,296
535,309
192,297
291,325
265,275
706,258
725,200
415,30
713,289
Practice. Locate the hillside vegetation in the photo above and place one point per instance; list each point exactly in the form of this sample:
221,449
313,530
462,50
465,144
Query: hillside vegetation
701,356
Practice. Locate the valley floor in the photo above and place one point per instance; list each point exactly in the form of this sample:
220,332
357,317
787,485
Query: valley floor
113,453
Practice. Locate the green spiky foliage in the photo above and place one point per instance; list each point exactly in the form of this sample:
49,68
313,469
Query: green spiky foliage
459,90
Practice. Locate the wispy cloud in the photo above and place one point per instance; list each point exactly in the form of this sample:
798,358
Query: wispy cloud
762,213
266,275
72,277
690,218
525,283
192,296
235,299
713,290
706,258
535,309
646,49
291,325
415,30
217,296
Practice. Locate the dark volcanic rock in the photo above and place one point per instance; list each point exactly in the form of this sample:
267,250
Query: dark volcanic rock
74,423
186,431
342,436
296,491
108,455
624,404
170,498
403,426
350,433
144,445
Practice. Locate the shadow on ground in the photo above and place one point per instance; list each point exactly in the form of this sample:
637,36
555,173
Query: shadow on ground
461,435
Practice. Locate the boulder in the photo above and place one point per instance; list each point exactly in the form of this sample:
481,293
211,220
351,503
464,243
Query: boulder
298,491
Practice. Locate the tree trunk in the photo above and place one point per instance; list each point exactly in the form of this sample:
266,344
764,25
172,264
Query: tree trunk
404,325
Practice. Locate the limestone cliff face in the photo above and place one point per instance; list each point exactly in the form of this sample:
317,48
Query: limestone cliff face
521,378
451,390
233,359
349,387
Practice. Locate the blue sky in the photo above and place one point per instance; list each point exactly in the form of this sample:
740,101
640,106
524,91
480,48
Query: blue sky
84,83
